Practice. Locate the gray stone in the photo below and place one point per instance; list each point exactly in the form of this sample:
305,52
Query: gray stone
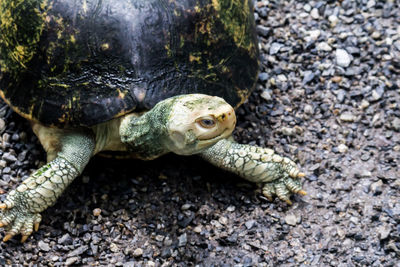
291,219
182,240
78,251
343,58
396,124
314,13
9,158
71,260
347,117
275,47
43,246
324,46
250,224
137,252
2,125
383,231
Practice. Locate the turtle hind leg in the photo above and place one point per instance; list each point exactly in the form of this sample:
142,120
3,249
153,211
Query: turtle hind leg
22,206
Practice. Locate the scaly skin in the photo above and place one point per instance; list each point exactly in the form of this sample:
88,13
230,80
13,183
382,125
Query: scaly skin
276,175
22,207
185,125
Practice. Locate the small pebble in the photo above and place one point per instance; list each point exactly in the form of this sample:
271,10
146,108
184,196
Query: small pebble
347,117
137,252
376,188
9,158
324,46
266,95
186,206
250,224
383,232
343,58
314,13
395,123
182,240
197,229
275,47
2,125
314,34
291,219
96,212
43,246
71,260
342,148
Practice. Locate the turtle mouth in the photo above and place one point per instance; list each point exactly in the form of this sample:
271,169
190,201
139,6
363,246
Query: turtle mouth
223,134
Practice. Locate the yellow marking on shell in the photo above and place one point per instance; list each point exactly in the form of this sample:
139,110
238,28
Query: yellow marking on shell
60,85
194,58
121,94
72,39
105,46
216,5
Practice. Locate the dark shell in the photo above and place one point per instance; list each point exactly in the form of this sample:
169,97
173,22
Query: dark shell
83,62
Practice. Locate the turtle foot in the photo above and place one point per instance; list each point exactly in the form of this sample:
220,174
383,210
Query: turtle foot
283,188
18,220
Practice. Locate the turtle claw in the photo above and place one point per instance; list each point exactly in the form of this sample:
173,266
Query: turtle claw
18,220
24,238
283,188
302,192
3,206
36,227
7,237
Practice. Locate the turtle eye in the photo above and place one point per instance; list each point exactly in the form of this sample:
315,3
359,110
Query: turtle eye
206,122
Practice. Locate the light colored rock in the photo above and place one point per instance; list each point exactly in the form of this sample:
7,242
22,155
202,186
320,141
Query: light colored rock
343,148
343,59
324,46
347,117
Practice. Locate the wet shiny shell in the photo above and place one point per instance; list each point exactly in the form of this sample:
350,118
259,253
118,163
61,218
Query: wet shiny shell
82,62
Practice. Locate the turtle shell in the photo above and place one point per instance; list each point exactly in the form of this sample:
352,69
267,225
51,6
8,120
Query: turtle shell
83,62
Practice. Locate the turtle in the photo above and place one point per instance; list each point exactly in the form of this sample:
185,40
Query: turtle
142,77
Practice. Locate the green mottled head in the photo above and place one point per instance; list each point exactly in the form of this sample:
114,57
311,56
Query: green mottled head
197,121
185,125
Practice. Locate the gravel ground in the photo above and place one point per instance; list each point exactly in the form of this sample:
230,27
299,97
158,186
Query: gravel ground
328,97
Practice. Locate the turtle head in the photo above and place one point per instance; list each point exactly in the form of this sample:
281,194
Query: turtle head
196,122
184,124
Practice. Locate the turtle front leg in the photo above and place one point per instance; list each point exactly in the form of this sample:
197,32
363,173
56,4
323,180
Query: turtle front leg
21,208
276,175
